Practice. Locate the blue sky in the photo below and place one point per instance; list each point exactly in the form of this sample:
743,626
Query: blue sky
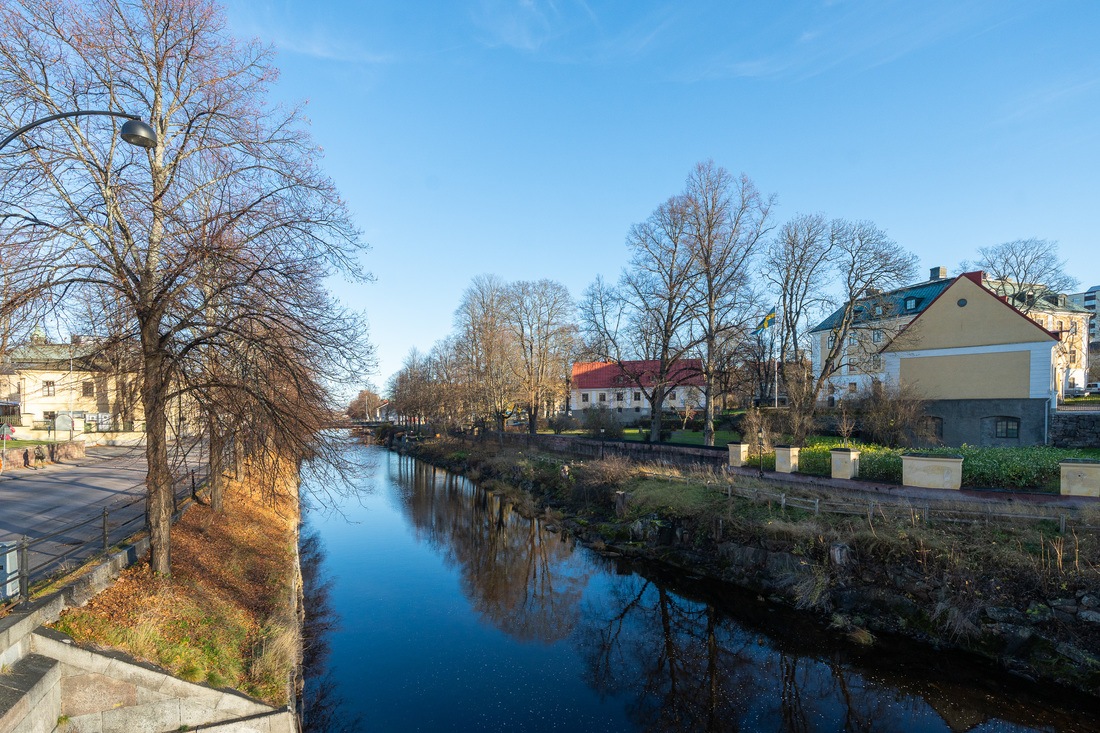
523,138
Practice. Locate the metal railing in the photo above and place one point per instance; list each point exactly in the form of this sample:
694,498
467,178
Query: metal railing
88,539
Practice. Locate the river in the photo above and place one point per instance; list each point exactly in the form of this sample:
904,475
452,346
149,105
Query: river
435,607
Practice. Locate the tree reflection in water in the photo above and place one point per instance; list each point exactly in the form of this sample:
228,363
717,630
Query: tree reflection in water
681,655
512,569
321,707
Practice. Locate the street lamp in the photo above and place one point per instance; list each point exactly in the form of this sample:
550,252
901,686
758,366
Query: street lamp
134,131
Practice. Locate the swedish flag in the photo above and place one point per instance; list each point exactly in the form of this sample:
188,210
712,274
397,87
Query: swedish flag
766,323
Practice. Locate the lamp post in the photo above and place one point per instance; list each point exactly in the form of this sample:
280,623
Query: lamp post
760,447
134,131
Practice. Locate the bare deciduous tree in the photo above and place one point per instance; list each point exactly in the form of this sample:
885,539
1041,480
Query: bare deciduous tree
482,328
813,266
540,321
1024,262
648,315
727,221
231,189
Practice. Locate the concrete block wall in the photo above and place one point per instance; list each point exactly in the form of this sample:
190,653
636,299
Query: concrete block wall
107,693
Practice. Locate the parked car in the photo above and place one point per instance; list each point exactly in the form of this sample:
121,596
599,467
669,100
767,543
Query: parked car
1092,388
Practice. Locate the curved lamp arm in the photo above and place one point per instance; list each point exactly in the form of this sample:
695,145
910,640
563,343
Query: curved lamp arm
134,131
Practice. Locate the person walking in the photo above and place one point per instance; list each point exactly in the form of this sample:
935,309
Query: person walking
39,456
27,459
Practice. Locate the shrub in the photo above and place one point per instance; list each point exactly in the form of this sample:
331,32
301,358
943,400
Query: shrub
603,420
562,422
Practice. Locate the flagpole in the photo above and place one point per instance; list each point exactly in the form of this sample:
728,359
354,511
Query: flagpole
775,364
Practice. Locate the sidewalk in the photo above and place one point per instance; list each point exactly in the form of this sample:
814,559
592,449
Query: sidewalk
914,494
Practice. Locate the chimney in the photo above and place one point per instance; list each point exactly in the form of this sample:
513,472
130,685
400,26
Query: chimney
937,273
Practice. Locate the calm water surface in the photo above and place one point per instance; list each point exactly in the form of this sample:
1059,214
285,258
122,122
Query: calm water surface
435,607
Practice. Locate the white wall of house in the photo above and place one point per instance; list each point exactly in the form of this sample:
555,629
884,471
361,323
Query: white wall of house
633,400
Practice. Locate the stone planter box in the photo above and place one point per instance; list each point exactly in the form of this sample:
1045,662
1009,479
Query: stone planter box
1080,477
845,462
739,454
931,472
786,458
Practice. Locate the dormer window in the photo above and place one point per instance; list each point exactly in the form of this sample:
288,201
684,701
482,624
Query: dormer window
878,310
910,304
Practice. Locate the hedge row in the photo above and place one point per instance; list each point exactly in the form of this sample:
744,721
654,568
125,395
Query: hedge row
1034,467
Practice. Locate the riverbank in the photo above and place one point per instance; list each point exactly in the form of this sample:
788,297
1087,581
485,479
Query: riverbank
1021,593
228,615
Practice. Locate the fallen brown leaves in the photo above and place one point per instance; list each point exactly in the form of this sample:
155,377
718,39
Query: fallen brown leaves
218,617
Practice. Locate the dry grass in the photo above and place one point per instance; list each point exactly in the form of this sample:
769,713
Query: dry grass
225,615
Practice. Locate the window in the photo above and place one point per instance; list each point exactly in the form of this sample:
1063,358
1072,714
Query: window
1061,326
637,409
603,397
853,339
878,310
88,388
637,396
49,415
672,395
619,397
876,336
1007,427
876,362
832,340
910,304
1073,327
48,389
853,387
1073,356
618,409
584,397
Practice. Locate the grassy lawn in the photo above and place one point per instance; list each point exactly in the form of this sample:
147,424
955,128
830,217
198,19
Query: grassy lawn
1090,400
12,444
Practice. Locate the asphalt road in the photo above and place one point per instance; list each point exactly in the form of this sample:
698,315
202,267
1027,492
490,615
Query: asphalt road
46,505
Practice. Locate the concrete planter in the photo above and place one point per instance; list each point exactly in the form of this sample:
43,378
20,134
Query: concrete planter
786,458
845,462
739,454
931,472
1080,477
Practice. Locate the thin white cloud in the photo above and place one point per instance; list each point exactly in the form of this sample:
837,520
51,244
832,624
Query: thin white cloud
315,40
1051,98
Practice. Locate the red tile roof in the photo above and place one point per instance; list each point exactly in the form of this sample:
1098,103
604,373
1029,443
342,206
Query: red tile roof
606,375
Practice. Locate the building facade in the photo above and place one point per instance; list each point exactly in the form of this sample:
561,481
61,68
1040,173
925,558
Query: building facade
1087,301
622,389
990,373
883,318
50,384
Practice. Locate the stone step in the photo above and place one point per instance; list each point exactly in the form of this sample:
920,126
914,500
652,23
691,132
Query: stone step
30,695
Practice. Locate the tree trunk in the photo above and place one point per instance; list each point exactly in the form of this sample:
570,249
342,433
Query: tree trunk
655,417
216,480
533,417
708,415
158,479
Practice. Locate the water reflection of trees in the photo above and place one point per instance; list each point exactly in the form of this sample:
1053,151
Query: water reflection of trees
511,568
689,668
321,708
684,664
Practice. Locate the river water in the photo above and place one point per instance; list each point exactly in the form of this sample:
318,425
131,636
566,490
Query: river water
434,607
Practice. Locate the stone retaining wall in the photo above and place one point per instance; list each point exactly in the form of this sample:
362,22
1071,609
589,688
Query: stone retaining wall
1075,429
13,457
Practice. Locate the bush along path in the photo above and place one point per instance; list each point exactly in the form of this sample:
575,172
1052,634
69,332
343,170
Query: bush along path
1021,593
